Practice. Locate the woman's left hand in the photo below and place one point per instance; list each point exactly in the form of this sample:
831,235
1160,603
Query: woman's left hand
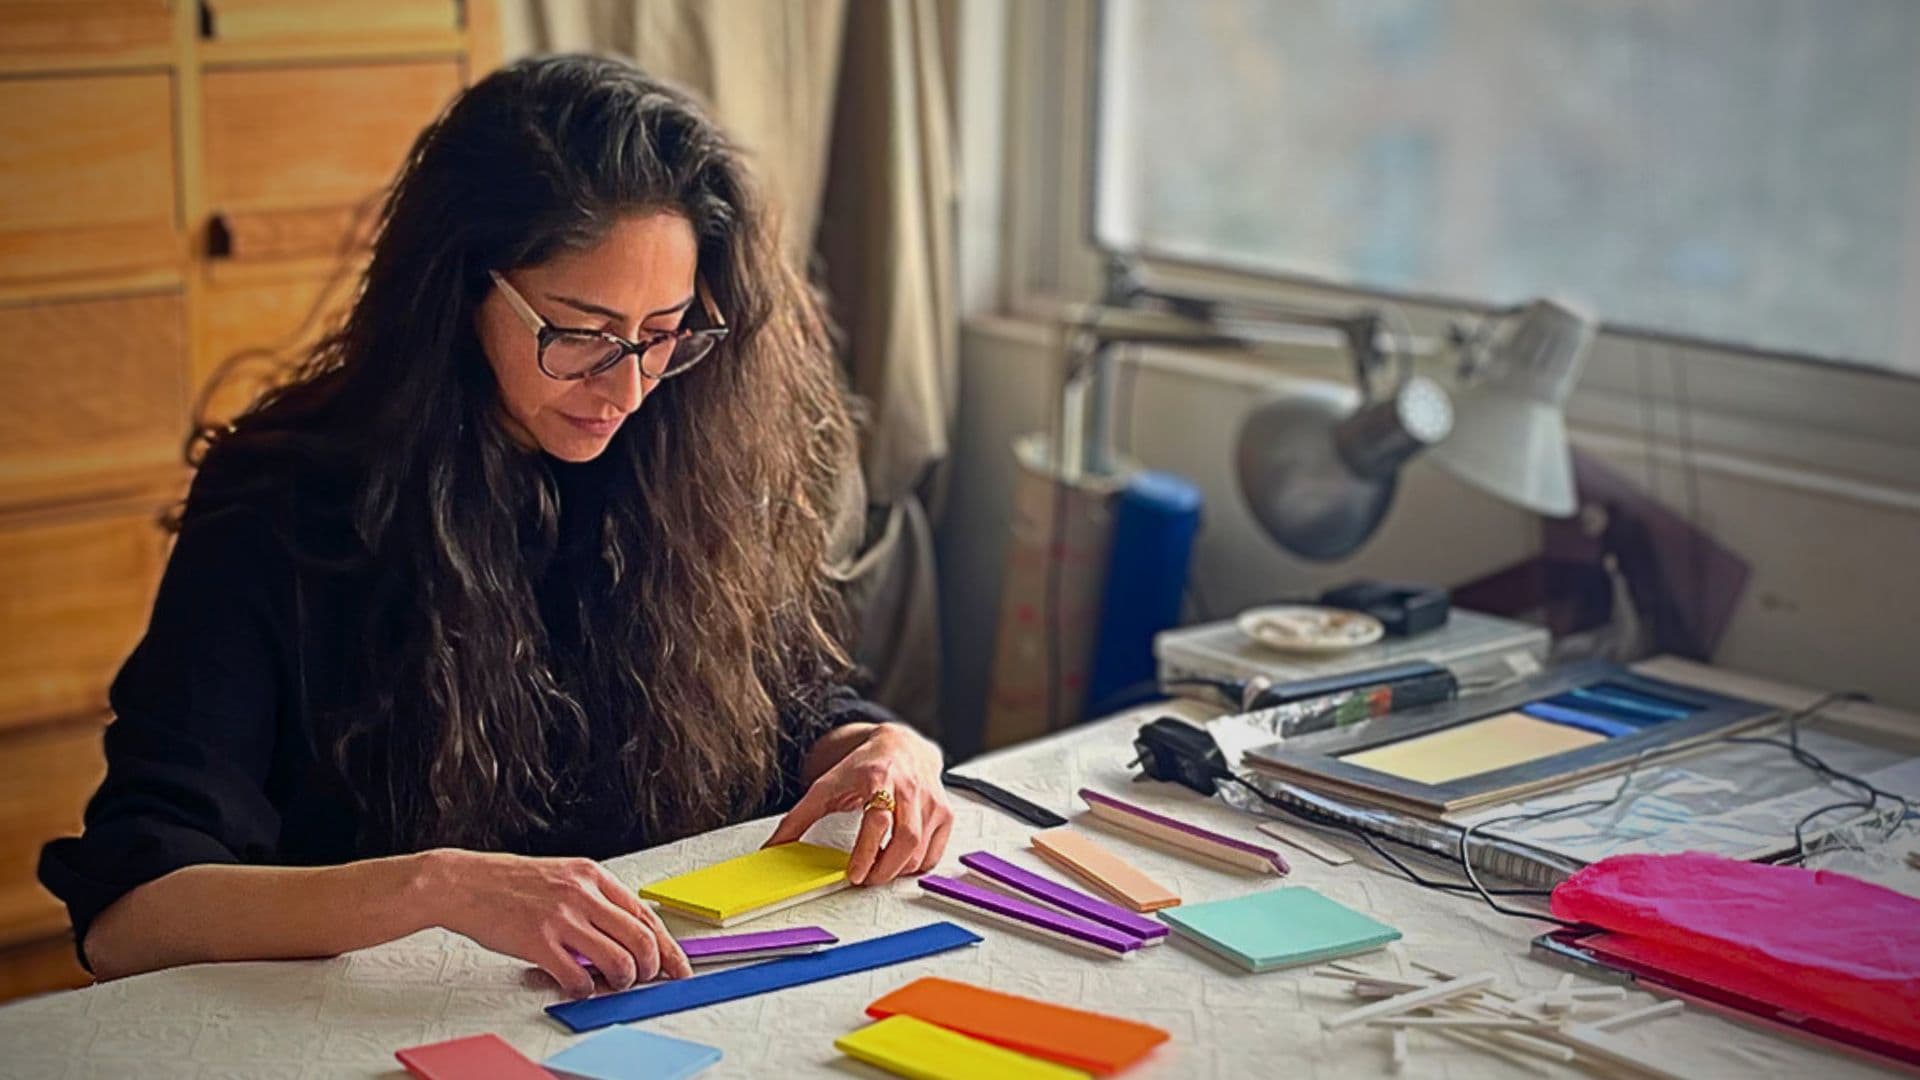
892,758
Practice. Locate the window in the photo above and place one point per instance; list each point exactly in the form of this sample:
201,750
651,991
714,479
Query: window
1742,171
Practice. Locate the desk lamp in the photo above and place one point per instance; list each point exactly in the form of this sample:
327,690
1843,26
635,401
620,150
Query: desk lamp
1319,474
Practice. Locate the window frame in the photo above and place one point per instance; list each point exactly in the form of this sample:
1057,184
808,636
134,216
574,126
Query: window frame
1826,425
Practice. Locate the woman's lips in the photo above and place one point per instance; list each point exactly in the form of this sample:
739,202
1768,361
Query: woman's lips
594,427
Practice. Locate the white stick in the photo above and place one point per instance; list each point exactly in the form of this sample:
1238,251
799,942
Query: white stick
1399,1049
1399,986
1367,991
1608,1048
1625,1020
1491,998
1491,1043
1504,1022
1353,969
1492,1003
1532,1044
1409,1001
1598,993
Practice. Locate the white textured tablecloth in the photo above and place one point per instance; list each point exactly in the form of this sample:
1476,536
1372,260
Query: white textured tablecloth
346,1017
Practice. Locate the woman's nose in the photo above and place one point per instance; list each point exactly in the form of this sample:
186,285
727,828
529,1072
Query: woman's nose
624,385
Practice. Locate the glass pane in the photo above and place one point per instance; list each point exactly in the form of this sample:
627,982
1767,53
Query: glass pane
1739,170
576,354
687,352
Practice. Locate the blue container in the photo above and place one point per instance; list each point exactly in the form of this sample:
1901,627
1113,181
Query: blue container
1154,522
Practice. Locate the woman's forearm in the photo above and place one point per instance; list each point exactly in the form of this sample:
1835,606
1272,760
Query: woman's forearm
220,912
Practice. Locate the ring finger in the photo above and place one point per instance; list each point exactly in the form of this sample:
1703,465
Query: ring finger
907,845
873,829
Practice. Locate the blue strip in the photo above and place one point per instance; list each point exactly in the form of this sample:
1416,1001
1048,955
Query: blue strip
1582,703
678,995
1631,701
1560,714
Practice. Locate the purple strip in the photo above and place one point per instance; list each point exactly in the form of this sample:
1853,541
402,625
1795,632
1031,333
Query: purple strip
1031,914
707,948
1091,908
757,941
1278,860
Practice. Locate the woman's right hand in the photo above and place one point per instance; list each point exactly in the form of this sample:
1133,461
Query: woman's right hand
544,910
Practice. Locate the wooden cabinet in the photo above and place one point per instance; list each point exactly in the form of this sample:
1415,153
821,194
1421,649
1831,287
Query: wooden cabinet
185,186
269,148
65,34
260,315
74,595
93,395
300,22
86,165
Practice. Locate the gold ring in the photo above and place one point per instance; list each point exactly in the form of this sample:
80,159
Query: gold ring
880,800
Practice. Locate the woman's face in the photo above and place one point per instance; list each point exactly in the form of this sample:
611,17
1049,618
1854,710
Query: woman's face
637,280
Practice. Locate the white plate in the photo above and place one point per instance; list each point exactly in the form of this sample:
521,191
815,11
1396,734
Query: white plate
1302,628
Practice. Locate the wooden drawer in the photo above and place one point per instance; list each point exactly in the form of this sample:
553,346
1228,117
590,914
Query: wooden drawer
74,598
279,235
86,175
49,772
94,400
34,33
258,21
261,317
302,137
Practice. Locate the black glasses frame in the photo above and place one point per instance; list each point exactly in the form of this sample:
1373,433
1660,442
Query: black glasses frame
545,334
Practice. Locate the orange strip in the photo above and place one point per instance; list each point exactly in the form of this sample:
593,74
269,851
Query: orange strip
1102,869
1083,1040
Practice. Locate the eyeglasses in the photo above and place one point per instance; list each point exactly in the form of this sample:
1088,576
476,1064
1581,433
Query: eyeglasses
580,354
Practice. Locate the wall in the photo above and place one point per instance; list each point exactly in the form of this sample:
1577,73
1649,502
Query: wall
1832,602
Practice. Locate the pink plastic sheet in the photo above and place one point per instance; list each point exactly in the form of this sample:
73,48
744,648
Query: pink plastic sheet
1807,940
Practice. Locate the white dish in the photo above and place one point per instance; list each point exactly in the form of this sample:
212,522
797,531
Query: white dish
1303,628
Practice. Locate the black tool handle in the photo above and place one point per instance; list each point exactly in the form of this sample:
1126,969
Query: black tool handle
1031,813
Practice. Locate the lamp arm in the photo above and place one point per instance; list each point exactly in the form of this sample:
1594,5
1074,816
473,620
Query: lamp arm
1361,328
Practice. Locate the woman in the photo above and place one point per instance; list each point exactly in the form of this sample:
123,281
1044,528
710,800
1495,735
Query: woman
521,570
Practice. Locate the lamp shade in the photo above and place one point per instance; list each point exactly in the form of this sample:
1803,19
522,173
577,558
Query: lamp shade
1510,430
1319,475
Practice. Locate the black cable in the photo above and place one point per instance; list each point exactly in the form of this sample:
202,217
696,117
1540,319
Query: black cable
1820,768
1801,853
1368,837
1466,834
1867,805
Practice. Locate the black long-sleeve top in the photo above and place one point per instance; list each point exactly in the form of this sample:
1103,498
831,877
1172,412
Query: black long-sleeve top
215,754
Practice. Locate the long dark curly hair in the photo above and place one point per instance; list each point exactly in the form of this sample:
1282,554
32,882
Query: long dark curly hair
718,614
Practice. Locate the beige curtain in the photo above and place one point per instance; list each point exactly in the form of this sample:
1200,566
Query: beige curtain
843,106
